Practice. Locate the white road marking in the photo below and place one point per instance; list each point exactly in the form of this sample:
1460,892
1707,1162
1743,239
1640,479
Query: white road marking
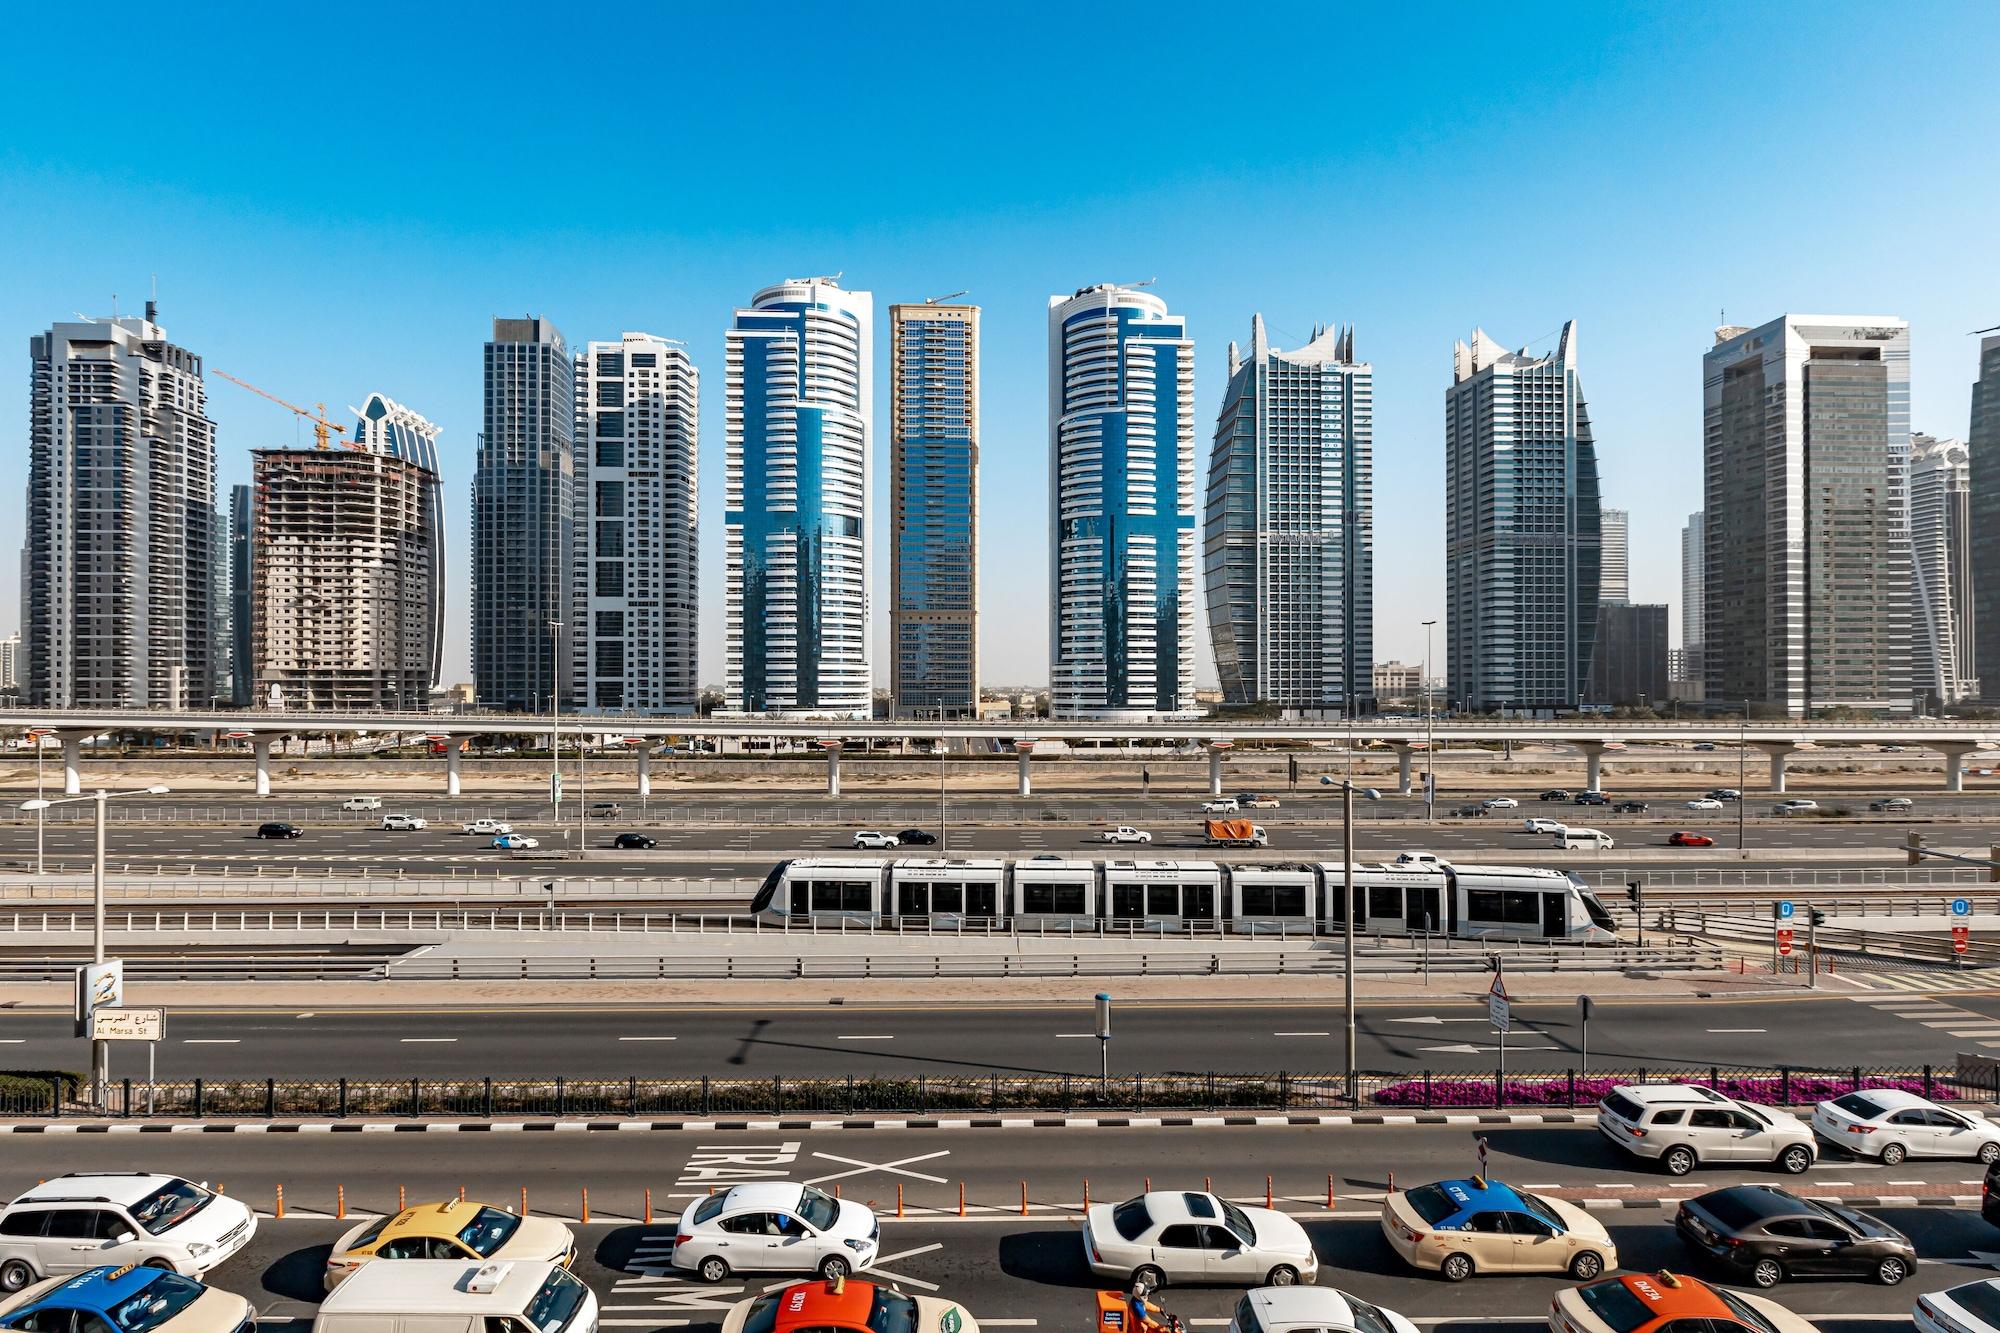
211,1041
1072,1034
1302,1034
649,1039
899,1167
407,1041
879,1036
12,1041
306,1015
1715,1030
907,1254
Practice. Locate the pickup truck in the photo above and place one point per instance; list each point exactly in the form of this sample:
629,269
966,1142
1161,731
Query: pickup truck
493,827
1234,833
1124,833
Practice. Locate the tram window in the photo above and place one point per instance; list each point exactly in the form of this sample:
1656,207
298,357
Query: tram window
913,899
841,896
1052,899
1274,900
1385,900
982,900
1524,908
1513,907
1128,901
948,898
1483,905
1163,900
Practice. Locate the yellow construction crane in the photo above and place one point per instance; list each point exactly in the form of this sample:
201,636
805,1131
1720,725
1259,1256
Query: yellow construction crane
319,422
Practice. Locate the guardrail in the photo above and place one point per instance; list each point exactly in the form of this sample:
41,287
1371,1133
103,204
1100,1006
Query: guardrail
1908,946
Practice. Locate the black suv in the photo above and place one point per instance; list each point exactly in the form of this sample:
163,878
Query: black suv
1592,798
915,837
277,830
626,842
1555,794
1767,1234
1629,808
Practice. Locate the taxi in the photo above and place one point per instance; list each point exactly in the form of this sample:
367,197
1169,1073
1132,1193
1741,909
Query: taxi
132,1299
1462,1227
1643,1303
454,1229
841,1306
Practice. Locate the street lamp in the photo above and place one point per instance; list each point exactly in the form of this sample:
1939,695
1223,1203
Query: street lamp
1430,741
99,1052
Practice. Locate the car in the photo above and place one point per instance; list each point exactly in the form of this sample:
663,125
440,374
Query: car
1461,1227
775,1227
1312,1310
1766,1234
915,837
1587,839
453,1229
361,803
1542,826
1889,1125
1629,808
1555,794
1689,838
1705,803
1798,805
1592,798
1224,805
1725,794
1892,749
1704,747
489,826
847,1307
1422,860
127,1298
70,1223
869,837
1681,1127
279,829
1891,803
405,823
515,842
635,842
1124,833
1257,802
604,810
1668,1303
1501,803
1472,811
1185,1236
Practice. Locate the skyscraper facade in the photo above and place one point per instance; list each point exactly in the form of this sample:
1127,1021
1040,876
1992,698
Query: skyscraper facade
1121,506
934,508
1941,636
1688,656
10,663
1983,465
1806,585
1614,578
799,434
1629,666
242,661
523,501
385,426
1288,540
340,580
1522,528
638,431
118,571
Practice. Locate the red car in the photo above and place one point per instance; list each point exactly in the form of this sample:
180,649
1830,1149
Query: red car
1687,839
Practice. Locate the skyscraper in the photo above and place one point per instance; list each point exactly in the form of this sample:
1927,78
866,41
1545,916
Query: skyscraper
1522,528
1806,584
385,426
1983,460
119,567
1288,540
1692,555
522,506
934,508
1614,580
799,434
638,430
242,661
1941,570
1629,665
10,663
1121,506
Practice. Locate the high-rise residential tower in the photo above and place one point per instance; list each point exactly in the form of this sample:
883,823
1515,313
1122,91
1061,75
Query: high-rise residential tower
1983,461
1614,580
1121,506
638,430
10,663
1522,528
1941,571
385,426
523,504
934,509
1692,555
1288,540
799,433
1806,585
242,661
119,573
340,585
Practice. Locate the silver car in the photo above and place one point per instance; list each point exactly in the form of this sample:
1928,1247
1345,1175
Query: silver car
1889,1124
775,1227
1680,1126
1169,1236
65,1225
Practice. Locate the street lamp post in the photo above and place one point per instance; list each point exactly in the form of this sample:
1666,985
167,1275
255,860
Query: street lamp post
1430,740
1347,936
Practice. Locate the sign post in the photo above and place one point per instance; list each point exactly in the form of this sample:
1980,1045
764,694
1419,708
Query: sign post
1499,1011
1482,1157
1781,940
147,1024
1961,929
1583,1019
1104,1039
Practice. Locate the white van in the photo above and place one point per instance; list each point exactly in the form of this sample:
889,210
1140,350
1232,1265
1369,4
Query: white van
459,1296
362,803
1586,839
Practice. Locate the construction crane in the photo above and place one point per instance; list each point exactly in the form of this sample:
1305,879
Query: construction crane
939,300
321,426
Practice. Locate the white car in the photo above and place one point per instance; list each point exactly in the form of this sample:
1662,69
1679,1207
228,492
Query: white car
1795,806
1169,1236
775,1227
1704,803
1223,806
1310,1310
1680,1126
362,803
1501,803
1539,825
490,827
515,842
65,1225
1889,1125
1971,1308
869,837
405,823
1124,833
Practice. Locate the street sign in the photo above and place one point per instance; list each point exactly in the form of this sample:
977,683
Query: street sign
1103,1016
1499,1007
1961,907
1482,1154
1785,909
555,789
1959,937
1222,745
148,1024
98,986
1784,941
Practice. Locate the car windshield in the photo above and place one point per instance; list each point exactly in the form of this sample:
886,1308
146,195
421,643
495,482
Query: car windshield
1541,1209
1367,1318
1744,1311
818,1208
1131,1219
371,1233
174,1203
1859,1104
1979,1299
1753,1113
1619,1309
160,1300
556,1304
1431,1203
1239,1222
488,1231
709,1207
1246,1320
892,1312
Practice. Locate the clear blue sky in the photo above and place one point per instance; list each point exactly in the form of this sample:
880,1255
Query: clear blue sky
338,199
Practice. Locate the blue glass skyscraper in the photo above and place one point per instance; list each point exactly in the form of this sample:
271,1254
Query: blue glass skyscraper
934,509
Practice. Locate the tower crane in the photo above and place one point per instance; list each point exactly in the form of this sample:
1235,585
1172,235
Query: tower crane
940,300
321,426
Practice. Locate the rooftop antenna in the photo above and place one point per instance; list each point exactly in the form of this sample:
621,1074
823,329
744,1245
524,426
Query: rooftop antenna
1976,332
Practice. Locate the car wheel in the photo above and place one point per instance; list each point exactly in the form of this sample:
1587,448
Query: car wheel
1148,1277
1891,1271
713,1269
1678,1161
1797,1158
833,1266
1989,1153
1456,1267
14,1275
1586,1266
1284,1275
164,1265
1893,1154
1768,1273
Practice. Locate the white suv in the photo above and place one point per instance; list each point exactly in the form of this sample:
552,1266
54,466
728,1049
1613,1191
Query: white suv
406,823
1224,806
71,1223
1678,1126
869,837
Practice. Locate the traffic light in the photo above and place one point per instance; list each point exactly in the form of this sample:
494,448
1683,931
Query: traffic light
1635,890
1818,917
1993,855
1914,845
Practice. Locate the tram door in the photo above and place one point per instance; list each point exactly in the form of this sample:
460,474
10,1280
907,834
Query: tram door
1421,909
1198,902
1555,916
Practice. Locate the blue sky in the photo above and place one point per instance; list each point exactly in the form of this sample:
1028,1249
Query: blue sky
338,200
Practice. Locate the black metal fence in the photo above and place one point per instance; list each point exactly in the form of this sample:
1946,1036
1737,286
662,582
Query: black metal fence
953,1095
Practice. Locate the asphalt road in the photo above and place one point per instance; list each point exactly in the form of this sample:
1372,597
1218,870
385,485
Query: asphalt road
1009,1270
1872,1029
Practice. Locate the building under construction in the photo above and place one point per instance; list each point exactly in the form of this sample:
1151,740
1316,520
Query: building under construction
340,583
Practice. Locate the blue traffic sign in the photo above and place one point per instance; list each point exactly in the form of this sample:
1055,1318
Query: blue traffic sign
1961,907
1784,909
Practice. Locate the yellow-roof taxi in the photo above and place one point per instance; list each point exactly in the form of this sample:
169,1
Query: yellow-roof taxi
454,1229
1462,1227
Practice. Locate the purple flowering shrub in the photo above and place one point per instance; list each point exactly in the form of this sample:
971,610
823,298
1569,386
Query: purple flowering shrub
1554,1089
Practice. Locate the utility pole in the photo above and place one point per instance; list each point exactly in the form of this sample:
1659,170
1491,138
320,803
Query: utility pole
1347,935
1430,738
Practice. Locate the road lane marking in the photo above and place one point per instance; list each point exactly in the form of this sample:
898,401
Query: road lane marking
649,1039
419,1040
908,1254
899,1167
1302,1034
879,1036
1720,1030
211,1041
12,1041
1076,1034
